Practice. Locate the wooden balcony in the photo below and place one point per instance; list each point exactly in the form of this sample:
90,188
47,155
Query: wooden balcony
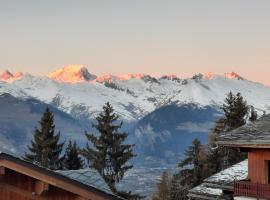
249,189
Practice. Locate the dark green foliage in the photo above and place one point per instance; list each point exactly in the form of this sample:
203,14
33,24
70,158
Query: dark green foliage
109,155
72,160
178,188
236,111
253,114
45,149
193,154
214,153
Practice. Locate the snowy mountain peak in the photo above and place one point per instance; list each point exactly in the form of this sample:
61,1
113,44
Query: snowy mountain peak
233,75
229,75
127,77
72,74
7,76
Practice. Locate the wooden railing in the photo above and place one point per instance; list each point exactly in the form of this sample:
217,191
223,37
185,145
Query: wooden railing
249,189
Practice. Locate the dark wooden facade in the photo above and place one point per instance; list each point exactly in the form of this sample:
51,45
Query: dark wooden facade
258,165
20,180
16,186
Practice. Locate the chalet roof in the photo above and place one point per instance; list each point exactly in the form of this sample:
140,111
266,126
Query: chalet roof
84,180
212,187
253,134
88,177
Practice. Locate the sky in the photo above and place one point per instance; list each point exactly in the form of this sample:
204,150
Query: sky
155,37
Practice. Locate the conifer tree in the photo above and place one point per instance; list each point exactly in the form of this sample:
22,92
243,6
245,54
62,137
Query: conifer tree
253,114
178,187
163,188
235,109
193,159
72,160
45,148
236,112
108,153
215,153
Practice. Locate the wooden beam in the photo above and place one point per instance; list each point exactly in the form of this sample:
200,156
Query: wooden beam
20,191
2,171
67,186
41,187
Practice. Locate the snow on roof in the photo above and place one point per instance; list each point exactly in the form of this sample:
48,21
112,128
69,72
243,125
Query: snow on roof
87,177
203,191
212,187
238,171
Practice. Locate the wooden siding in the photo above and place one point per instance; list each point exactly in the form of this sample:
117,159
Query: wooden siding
17,183
258,165
24,187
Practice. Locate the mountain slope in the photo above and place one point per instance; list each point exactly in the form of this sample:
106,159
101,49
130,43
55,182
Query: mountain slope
18,119
167,132
134,97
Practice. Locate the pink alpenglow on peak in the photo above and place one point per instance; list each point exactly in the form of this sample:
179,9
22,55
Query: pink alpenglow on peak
131,76
230,75
210,75
7,76
233,75
72,74
111,78
106,78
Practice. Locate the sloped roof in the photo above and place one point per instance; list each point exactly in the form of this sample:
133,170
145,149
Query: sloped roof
226,177
204,192
78,181
253,134
88,177
212,187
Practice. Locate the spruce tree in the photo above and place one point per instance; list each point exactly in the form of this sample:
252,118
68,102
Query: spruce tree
72,160
193,159
108,153
215,153
236,111
253,114
190,173
45,149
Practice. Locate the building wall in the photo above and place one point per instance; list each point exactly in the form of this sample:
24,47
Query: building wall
258,165
27,184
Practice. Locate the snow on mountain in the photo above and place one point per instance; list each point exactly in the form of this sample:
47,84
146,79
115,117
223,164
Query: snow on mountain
7,76
72,74
134,95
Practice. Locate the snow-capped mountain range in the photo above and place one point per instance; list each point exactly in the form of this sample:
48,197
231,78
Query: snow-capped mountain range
163,115
75,91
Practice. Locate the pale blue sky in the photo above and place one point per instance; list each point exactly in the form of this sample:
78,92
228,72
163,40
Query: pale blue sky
128,36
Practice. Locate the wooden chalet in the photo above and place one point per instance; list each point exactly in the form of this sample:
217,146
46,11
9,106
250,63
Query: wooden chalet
21,180
253,138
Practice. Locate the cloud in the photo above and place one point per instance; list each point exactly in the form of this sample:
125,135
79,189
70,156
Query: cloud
195,127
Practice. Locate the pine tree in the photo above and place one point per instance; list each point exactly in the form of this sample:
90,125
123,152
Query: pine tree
45,148
178,187
215,153
236,111
193,159
190,173
163,188
72,160
253,114
109,155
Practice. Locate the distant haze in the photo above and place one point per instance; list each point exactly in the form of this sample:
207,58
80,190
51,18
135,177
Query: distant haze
142,36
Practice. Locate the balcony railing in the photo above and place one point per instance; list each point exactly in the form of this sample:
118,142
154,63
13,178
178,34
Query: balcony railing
249,189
